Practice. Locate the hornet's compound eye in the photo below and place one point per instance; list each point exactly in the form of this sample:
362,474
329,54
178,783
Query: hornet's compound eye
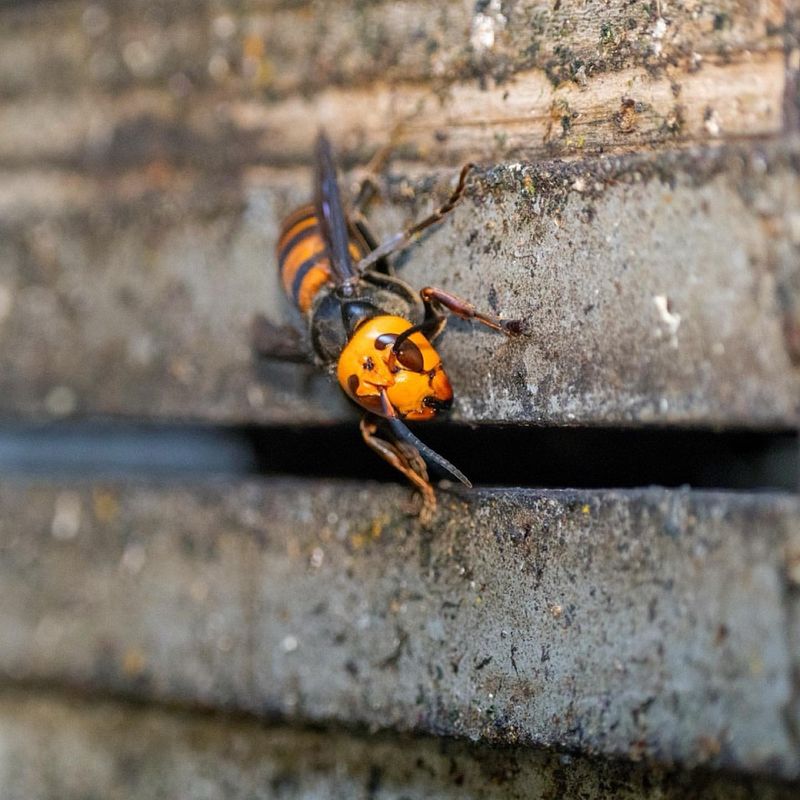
408,354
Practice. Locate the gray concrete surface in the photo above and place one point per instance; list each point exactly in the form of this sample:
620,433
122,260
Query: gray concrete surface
660,289
656,624
55,748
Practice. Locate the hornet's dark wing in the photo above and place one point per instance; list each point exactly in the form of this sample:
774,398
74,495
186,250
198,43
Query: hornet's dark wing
330,212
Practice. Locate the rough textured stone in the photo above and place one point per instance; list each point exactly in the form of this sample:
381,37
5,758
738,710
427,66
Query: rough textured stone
53,748
657,624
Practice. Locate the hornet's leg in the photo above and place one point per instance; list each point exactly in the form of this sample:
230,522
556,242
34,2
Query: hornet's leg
361,232
368,187
402,240
431,328
433,297
278,342
405,459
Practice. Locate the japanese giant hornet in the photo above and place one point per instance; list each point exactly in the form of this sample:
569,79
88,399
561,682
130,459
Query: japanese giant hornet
366,324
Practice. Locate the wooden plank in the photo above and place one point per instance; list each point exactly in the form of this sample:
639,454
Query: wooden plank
660,289
55,748
102,85
653,623
528,118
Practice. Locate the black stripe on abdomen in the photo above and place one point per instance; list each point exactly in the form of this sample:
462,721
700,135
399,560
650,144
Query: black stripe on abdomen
303,270
311,230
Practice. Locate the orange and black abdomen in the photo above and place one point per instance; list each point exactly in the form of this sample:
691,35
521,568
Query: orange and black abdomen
303,258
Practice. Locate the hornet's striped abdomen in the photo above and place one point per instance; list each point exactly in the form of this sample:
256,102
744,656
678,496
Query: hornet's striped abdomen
303,258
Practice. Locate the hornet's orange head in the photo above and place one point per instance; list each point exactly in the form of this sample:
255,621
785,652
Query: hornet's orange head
412,375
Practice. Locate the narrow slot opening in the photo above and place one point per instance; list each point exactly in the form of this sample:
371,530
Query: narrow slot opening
490,456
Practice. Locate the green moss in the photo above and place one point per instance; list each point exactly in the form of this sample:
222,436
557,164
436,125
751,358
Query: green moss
722,21
607,35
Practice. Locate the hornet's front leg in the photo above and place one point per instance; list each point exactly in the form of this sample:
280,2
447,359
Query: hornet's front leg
400,241
433,298
369,185
406,459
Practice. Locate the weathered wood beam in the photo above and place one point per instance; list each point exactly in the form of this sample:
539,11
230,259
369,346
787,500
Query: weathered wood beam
104,84
525,118
55,748
657,624
660,289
